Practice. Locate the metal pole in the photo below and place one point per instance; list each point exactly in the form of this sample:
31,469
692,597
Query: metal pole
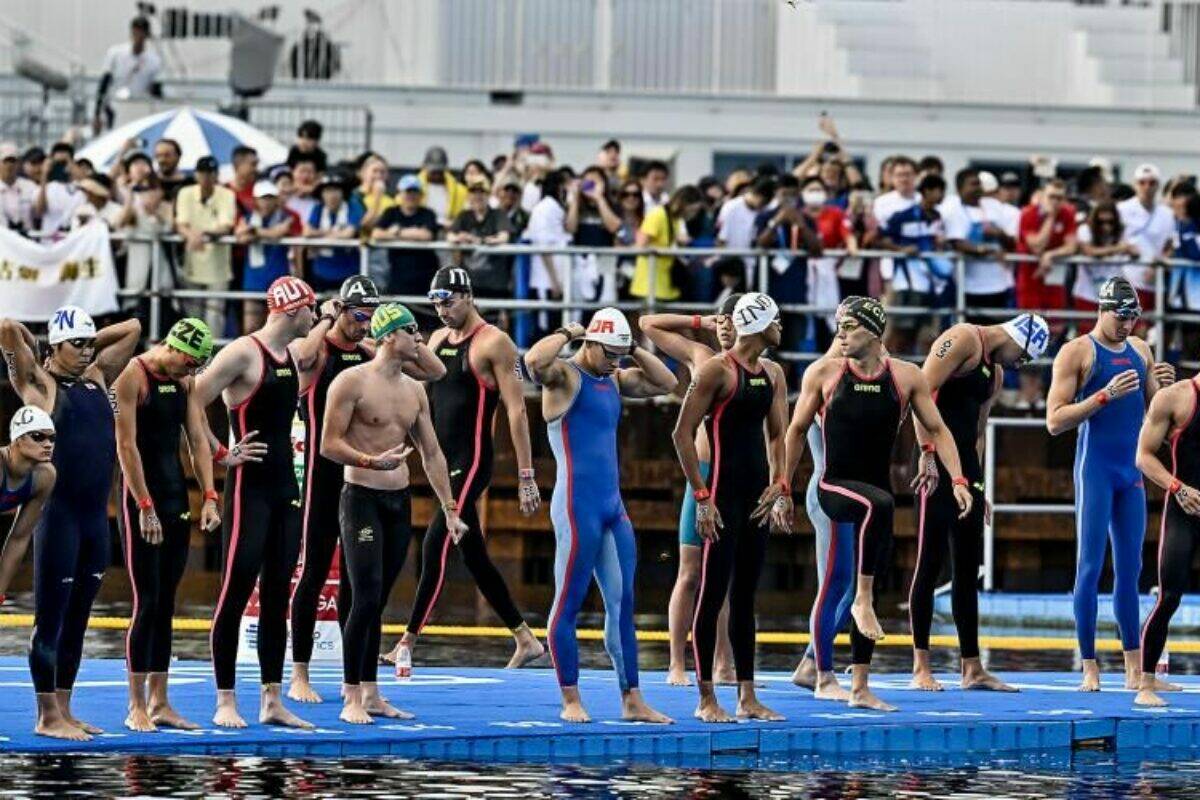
763,276
364,258
960,288
989,495
1160,304
568,288
155,289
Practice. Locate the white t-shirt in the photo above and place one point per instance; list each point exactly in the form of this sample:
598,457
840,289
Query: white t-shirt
132,73
16,203
61,201
1149,231
735,229
110,215
884,206
965,223
546,228
1089,278
531,195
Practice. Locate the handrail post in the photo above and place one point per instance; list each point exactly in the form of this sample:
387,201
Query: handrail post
652,288
568,288
1160,305
989,496
364,258
155,288
960,288
763,276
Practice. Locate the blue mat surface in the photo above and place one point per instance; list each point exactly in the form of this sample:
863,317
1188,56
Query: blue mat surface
1058,609
500,715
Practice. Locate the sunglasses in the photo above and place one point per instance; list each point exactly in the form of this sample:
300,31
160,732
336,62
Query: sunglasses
42,437
411,329
631,194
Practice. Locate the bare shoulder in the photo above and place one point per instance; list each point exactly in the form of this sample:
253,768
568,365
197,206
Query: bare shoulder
823,369
1074,350
1176,397
774,369
349,379
1143,349
437,337
44,476
496,344
906,370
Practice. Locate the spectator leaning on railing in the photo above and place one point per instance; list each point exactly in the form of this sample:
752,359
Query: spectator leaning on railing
548,273
17,193
1149,226
663,227
977,231
167,153
791,224
57,196
98,204
267,222
1185,281
333,218
911,231
480,224
441,192
204,212
146,215
1100,237
305,178
410,271
592,222
735,221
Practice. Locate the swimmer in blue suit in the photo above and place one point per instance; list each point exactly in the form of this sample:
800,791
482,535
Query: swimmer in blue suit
1101,385
581,402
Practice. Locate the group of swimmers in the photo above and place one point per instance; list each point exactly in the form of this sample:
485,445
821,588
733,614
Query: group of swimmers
371,390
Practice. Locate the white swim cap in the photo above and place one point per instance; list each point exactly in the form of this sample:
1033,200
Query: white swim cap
1031,332
27,420
609,328
71,322
754,313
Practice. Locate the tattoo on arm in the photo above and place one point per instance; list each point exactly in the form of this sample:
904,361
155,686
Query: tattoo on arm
943,349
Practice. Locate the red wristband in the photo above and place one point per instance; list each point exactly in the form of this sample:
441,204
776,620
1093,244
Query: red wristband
1102,397
701,495
221,452
928,447
1175,486
146,503
960,481
695,322
364,461
211,494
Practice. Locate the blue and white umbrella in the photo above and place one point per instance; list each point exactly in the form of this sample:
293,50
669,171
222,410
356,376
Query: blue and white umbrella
199,133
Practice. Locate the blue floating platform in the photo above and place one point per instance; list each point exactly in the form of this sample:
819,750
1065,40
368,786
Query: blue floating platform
1058,610
493,715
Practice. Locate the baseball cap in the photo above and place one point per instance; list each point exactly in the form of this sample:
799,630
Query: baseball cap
988,181
409,183
754,313
1010,178
1146,172
71,322
27,420
1031,332
435,158
289,293
8,150
206,164
265,189
610,329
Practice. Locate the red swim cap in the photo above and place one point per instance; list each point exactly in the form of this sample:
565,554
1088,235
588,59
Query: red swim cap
288,294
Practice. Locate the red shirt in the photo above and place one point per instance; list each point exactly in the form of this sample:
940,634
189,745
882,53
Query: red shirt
245,197
832,226
1031,222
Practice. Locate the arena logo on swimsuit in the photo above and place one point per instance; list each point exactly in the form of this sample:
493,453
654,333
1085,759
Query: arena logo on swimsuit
166,388
874,388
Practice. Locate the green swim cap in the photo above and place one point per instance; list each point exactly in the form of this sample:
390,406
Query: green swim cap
191,336
391,317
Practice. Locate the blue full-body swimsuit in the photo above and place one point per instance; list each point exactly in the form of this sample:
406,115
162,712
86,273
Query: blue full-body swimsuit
592,532
1110,499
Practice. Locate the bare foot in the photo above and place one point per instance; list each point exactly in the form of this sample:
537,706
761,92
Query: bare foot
379,707
275,713
924,680
805,675
573,712
828,688
527,652
355,714
677,676
168,717
865,619
724,675
984,681
83,726
634,709
61,729
1149,698
755,710
139,720
709,710
227,716
302,691
1091,677
1164,686
865,698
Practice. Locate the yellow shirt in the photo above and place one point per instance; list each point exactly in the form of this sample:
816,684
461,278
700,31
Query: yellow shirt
656,228
211,263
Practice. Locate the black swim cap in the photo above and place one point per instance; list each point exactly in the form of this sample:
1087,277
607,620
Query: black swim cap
358,291
1117,294
867,312
451,279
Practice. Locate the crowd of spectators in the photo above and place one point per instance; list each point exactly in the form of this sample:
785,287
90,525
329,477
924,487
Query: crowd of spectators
913,220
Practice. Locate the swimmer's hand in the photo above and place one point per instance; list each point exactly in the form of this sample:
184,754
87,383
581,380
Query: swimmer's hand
150,525
1123,383
766,501
783,515
962,496
391,459
245,451
455,526
1164,373
210,519
926,479
708,520
528,496
1188,499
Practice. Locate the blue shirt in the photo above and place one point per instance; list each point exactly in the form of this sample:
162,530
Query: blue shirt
266,262
335,264
916,226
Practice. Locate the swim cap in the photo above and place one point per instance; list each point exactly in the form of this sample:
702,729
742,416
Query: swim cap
27,420
1117,294
1031,332
448,280
867,312
71,322
288,294
729,304
753,313
840,311
358,291
609,328
391,317
191,336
